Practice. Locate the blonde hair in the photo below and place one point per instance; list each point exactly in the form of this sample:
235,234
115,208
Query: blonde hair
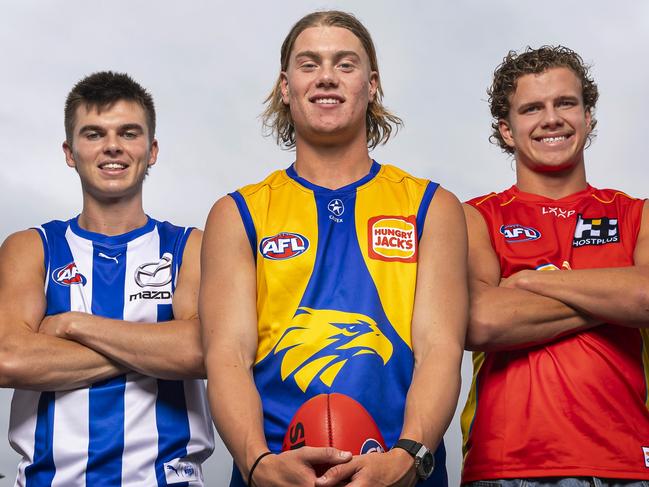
276,118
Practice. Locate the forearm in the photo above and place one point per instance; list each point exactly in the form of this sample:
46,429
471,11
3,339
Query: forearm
34,361
236,410
168,350
612,295
504,318
433,395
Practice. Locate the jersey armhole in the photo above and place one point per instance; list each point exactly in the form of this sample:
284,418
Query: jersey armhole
180,252
431,188
246,217
46,255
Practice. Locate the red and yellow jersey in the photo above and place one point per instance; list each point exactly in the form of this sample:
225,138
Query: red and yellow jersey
576,406
336,277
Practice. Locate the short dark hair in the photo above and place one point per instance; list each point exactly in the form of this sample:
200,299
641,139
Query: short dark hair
534,61
277,116
102,90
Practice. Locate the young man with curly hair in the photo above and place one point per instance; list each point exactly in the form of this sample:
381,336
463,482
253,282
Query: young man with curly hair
99,316
559,395
336,275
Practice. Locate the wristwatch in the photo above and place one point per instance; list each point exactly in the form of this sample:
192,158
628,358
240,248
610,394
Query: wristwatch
424,459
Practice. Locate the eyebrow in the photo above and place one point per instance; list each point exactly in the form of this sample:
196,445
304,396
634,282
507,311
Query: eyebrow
99,128
337,56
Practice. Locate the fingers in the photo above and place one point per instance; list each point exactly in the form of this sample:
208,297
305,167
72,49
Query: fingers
323,456
337,475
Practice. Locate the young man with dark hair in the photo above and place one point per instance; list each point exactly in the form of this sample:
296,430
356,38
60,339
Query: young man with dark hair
304,293
560,384
92,312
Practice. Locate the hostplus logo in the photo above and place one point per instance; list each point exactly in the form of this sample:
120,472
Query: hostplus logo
595,231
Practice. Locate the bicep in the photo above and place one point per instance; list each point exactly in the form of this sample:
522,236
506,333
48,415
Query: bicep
22,273
441,299
483,265
227,302
641,253
185,299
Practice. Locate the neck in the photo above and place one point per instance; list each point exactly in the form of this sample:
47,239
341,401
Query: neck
553,185
332,166
112,217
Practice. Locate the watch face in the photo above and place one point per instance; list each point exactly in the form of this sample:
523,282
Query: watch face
427,464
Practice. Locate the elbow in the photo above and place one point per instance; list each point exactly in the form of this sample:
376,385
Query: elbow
12,368
481,332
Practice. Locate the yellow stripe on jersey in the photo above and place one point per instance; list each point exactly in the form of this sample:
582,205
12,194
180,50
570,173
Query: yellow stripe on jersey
468,413
294,207
381,196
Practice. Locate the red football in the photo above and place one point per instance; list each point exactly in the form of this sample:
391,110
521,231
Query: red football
334,420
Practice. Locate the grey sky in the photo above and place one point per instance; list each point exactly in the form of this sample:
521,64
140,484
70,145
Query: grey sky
209,66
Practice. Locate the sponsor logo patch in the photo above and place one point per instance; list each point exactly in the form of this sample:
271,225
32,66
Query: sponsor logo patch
371,446
177,471
336,208
595,231
155,274
645,450
516,233
392,238
558,212
284,245
68,274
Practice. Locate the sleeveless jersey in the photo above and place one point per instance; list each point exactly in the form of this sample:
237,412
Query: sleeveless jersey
336,276
576,406
131,430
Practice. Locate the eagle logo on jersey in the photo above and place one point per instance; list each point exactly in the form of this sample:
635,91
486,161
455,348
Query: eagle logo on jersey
68,274
320,342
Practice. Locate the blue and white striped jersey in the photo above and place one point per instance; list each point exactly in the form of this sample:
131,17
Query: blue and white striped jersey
131,430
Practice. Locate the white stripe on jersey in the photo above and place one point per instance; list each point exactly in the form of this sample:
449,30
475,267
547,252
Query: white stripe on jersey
140,430
70,437
22,424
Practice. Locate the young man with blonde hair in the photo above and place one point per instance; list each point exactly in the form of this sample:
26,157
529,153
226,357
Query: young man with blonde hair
303,294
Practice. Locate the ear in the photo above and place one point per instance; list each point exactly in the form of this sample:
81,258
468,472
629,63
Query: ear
374,85
283,85
69,155
153,153
506,132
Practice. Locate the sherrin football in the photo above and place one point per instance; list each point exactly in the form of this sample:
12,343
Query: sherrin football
334,420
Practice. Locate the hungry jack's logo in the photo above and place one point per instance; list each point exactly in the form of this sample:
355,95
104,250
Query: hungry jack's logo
392,238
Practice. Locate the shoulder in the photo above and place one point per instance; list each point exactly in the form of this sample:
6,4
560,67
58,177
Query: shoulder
24,248
274,180
394,174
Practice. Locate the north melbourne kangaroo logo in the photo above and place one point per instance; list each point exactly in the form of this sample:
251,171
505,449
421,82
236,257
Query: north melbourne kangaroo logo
319,343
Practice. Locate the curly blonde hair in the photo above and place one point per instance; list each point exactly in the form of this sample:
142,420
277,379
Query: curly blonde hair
276,118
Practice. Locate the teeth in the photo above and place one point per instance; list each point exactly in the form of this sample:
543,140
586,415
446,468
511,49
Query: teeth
327,101
113,165
549,140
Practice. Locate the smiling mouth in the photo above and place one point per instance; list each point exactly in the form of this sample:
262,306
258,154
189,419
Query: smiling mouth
112,166
552,140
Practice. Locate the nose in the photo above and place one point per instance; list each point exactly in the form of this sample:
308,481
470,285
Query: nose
551,117
112,144
327,76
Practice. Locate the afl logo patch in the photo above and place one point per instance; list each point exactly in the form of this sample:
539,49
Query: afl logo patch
392,238
518,233
283,246
68,274
371,446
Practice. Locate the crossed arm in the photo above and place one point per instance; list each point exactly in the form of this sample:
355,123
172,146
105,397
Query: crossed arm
73,350
533,307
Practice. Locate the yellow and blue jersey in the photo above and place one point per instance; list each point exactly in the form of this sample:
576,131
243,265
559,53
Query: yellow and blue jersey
336,276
